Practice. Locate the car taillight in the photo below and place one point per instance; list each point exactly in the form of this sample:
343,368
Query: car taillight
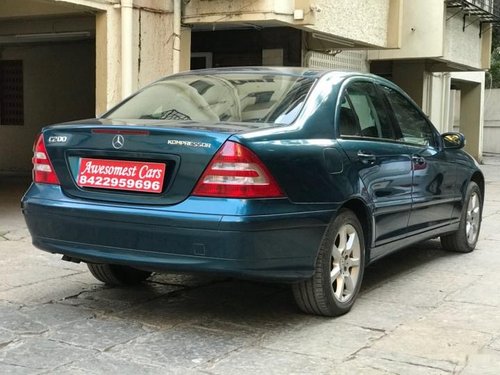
43,172
236,172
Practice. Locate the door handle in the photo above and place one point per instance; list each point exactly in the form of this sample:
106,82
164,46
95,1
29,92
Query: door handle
419,162
417,159
366,157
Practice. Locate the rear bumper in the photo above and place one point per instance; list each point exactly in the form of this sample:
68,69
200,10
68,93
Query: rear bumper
274,240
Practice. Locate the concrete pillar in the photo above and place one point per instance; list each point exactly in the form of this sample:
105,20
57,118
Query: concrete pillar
127,46
131,54
108,59
436,103
185,56
471,121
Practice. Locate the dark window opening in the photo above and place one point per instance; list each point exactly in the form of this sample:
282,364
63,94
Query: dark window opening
11,92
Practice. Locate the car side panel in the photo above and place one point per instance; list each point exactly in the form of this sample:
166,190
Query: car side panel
387,180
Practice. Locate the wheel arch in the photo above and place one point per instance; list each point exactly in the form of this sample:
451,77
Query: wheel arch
364,215
478,178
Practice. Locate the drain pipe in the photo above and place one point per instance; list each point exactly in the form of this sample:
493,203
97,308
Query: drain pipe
176,53
127,22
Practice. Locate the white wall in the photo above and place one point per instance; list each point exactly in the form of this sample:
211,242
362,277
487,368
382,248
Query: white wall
463,47
59,81
421,33
429,30
360,20
492,121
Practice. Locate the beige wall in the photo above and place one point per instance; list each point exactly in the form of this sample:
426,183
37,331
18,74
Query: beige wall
222,11
421,32
366,23
152,46
464,47
471,86
108,60
492,121
58,86
359,20
430,31
154,41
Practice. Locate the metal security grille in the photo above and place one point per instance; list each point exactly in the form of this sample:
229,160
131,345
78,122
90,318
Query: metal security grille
344,60
11,92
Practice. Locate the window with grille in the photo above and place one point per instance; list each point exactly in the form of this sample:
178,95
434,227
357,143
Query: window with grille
11,92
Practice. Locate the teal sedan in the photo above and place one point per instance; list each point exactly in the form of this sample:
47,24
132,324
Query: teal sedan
284,174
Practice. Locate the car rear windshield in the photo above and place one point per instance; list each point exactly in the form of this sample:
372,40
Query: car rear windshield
234,97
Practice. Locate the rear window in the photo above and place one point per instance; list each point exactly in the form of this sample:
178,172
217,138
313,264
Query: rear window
236,97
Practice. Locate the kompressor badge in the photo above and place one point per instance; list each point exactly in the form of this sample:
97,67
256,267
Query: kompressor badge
176,142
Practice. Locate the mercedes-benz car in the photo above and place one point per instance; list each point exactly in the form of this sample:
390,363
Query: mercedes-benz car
283,174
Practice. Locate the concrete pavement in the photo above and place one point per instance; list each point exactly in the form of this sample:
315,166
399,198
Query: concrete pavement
421,311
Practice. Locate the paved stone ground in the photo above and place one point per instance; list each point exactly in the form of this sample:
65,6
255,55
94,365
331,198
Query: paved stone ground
421,311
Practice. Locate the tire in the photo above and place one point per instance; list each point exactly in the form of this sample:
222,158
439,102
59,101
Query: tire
339,268
464,240
112,274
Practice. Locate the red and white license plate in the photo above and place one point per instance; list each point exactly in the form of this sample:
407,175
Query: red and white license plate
144,177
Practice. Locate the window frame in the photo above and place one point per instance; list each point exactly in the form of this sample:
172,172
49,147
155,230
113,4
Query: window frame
435,134
385,109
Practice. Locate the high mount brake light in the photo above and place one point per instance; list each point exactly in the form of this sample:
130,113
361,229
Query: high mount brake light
43,172
236,172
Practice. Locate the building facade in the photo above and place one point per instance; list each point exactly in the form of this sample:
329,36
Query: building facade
61,60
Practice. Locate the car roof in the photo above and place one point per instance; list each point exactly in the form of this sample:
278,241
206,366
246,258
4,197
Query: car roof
290,71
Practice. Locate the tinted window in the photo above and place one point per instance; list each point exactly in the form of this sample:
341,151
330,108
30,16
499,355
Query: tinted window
236,97
362,113
414,126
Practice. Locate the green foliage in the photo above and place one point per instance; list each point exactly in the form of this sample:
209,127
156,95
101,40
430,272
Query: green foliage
495,59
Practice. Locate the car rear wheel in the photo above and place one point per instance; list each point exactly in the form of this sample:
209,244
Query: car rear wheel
112,274
339,268
465,238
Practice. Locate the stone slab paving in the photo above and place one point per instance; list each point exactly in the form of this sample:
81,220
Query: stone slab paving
420,311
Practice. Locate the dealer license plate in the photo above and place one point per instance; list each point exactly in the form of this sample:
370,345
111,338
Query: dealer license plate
143,177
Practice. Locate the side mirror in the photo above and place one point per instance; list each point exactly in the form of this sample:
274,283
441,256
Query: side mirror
453,140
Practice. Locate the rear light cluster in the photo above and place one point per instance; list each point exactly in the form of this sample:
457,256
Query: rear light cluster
43,172
236,172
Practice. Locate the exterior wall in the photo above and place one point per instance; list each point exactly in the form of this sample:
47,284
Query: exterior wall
374,23
430,31
108,60
471,85
437,97
492,121
58,86
151,42
465,47
30,8
421,34
222,12
359,20
153,34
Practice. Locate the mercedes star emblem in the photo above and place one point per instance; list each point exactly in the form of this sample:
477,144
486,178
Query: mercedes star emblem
118,141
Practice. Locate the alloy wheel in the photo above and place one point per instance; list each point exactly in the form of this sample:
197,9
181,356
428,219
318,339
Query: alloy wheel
473,218
345,263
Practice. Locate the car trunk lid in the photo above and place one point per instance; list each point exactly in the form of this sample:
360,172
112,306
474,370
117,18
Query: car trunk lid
138,164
